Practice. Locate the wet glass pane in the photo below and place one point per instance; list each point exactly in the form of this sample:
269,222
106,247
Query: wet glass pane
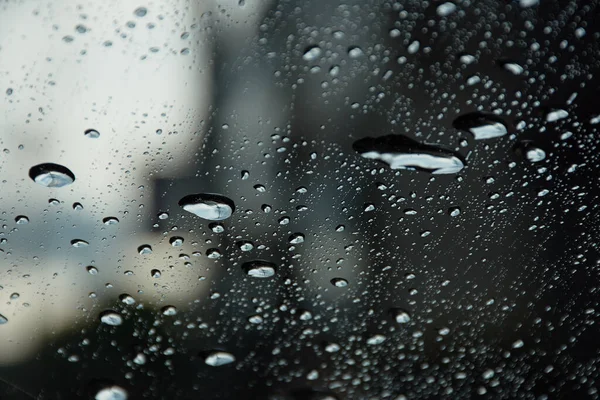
288,199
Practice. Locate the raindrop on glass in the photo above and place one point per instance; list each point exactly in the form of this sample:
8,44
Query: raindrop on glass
212,207
259,269
51,175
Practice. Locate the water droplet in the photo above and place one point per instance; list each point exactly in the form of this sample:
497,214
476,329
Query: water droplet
445,9
312,375
110,221
414,47
305,315
369,207
155,273
339,282
77,206
517,344
528,3
51,175
111,393
245,245
216,227
218,358
169,311
530,152
212,207
340,228
375,340
401,316
176,241
284,220
163,215
53,202
444,331
467,59
355,52
140,12
266,208
255,319
332,347
21,220
92,270
145,249
401,152
481,125
79,243
312,53
511,67
111,318
259,269
245,175
92,134
556,115
127,299
454,211
296,238
14,296
3,319
260,188
213,254
140,359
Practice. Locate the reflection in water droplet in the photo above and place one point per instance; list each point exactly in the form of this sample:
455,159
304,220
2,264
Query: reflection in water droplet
111,393
259,269
110,221
218,358
296,238
481,125
92,134
312,53
51,175
401,152
21,220
79,243
111,318
144,249
209,206
339,282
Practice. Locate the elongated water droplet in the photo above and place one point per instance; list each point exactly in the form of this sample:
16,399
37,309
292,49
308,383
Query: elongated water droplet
219,358
110,221
213,207
481,125
296,238
51,175
401,152
556,115
511,67
445,9
255,319
259,269
339,282
79,243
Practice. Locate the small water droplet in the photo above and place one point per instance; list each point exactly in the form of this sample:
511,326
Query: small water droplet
51,175
259,269
255,319
245,245
260,188
163,215
169,311
284,220
454,211
375,340
216,227
332,347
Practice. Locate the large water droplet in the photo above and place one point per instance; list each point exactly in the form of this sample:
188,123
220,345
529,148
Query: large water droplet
296,238
111,393
218,358
79,243
209,206
21,220
445,9
556,115
312,53
51,175
111,318
259,269
176,241
144,249
245,245
140,12
92,134
511,67
481,125
401,152
339,282
169,311
110,221
530,152
401,316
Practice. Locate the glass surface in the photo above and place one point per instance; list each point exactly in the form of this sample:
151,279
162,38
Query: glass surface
280,200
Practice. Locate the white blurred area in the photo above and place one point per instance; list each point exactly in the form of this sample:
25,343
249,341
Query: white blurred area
126,91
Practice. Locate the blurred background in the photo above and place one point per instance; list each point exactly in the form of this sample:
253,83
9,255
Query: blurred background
479,284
